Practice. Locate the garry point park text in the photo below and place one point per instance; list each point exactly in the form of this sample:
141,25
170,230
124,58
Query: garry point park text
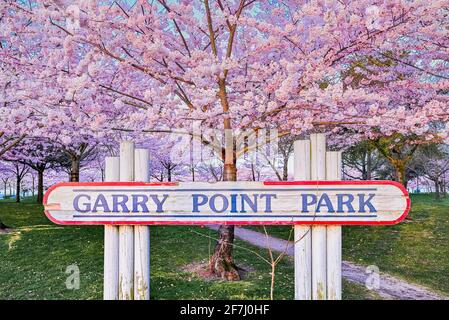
234,203
228,202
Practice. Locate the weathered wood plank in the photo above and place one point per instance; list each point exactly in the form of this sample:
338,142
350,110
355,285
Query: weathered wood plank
141,234
126,233
111,239
333,250
303,234
318,172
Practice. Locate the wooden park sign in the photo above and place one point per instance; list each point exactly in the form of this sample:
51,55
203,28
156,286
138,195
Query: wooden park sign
317,203
297,202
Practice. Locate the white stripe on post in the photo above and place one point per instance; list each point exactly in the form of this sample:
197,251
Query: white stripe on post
126,233
318,172
333,172
141,234
303,233
110,285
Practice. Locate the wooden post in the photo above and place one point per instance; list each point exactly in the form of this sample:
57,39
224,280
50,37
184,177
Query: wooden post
303,233
126,233
333,172
141,234
110,285
319,266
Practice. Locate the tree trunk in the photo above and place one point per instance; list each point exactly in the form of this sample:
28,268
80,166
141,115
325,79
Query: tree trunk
18,188
40,186
169,174
437,189
285,170
400,169
368,165
398,157
222,263
400,173
75,170
32,185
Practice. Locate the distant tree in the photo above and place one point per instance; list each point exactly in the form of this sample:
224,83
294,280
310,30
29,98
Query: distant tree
18,170
285,150
6,177
432,162
363,162
165,168
39,155
399,150
210,171
72,158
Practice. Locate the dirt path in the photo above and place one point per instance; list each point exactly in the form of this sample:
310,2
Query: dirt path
390,287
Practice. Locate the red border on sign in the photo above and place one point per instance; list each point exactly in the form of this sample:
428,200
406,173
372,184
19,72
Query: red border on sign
234,222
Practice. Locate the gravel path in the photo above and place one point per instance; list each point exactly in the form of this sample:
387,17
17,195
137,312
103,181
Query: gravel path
390,287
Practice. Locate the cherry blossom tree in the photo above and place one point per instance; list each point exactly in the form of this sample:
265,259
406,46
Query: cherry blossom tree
413,110
156,66
37,154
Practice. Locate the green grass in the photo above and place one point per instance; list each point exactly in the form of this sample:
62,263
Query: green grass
34,258
416,250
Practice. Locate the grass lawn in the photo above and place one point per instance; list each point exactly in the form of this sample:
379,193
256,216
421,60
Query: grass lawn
34,258
416,250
